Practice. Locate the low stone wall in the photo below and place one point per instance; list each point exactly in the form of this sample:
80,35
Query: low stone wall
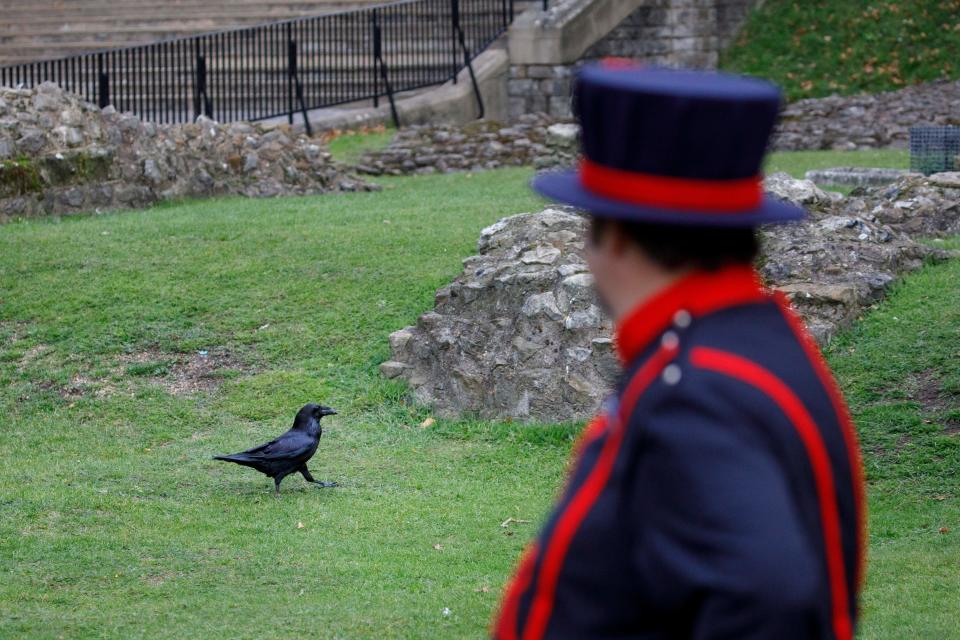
867,121
535,140
60,155
520,335
854,122
857,176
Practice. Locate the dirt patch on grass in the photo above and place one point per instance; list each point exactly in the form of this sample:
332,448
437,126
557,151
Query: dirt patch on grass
78,387
926,390
32,355
183,373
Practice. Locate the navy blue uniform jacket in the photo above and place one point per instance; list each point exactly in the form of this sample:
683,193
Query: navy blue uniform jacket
720,495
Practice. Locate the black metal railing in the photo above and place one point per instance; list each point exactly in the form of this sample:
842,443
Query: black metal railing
277,69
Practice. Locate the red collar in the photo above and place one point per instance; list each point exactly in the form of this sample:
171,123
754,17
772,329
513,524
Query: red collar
698,293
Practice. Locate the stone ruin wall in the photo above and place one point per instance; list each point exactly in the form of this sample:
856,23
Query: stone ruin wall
520,335
61,155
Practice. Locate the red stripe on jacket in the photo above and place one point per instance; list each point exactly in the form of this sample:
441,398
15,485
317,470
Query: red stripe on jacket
846,424
506,628
751,373
556,547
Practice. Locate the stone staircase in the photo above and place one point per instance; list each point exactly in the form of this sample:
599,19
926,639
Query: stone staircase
33,30
247,76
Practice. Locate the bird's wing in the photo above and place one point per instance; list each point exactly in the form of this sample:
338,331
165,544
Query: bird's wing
292,444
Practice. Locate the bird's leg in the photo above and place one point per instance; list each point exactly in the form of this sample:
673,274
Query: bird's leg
276,487
309,478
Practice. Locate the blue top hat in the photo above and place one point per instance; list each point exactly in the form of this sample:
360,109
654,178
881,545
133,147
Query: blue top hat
671,147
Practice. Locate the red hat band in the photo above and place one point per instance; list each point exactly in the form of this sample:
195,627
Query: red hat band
668,192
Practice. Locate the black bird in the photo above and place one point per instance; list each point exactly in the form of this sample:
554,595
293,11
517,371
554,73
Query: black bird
290,452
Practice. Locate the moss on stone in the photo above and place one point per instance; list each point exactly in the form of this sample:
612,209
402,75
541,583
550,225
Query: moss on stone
19,177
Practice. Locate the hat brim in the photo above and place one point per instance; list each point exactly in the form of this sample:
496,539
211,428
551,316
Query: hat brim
565,187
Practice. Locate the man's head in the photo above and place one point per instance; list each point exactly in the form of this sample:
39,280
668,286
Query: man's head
630,260
671,172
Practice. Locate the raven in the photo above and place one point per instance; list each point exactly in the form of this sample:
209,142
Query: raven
290,452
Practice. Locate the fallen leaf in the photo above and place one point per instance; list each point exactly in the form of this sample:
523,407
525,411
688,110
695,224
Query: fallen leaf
482,589
944,530
429,422
438,547
940,497
300,525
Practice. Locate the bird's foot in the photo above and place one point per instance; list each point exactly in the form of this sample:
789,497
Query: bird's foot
326,485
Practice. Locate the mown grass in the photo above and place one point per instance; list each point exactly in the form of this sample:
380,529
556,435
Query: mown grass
819,47
797,163
900,369
114,522
349,146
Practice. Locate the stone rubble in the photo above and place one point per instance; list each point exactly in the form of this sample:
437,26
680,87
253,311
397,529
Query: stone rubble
535,140
519,334
543,141
59,155
857,176
867,121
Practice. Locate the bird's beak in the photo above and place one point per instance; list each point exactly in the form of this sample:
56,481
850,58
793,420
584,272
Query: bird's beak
330,412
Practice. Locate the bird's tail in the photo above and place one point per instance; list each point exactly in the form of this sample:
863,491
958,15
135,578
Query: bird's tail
239,458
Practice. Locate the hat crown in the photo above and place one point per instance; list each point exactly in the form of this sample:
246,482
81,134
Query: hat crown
675,123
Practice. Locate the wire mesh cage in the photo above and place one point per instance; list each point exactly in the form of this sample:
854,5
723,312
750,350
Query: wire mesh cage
934,149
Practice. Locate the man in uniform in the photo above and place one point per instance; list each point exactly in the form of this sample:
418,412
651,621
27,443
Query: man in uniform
720,493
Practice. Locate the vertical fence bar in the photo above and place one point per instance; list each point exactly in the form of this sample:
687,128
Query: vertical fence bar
454,21
291,70
103,97
375,25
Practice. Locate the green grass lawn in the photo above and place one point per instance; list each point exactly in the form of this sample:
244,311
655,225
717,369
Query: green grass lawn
114,522
797,163
350,146
819,47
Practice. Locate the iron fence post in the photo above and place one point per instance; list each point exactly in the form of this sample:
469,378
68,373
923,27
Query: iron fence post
291,70
103,83
454,22
202,105
375,20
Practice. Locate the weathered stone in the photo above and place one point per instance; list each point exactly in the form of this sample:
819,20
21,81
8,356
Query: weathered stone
563,134
31,143
151,172
948,180
45,101
867,121
531,342
73,143
392,369
800,192
250,162
484,145
857,176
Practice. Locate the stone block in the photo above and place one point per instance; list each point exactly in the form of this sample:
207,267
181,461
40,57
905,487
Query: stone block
560,107
539,71
520,87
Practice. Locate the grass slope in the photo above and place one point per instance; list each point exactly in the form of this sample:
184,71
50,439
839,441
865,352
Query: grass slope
900,369
818,47
115,523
